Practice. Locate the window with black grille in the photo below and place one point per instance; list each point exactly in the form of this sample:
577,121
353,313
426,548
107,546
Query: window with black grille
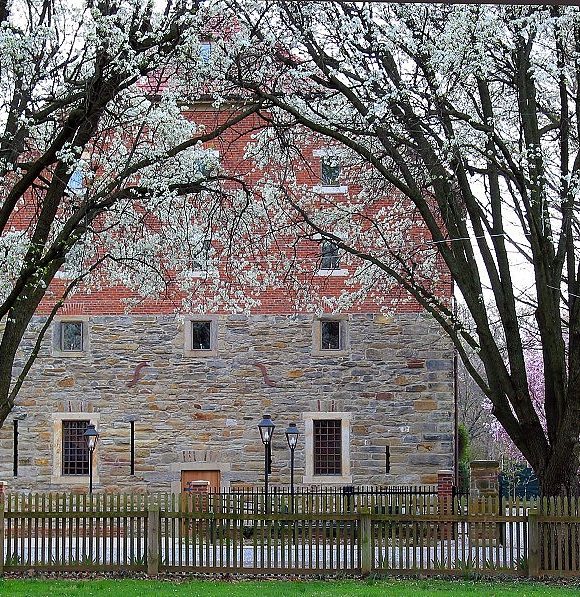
330,335
75,453
201,335
327,447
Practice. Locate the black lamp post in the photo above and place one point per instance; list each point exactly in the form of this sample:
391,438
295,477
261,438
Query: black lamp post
266,427
91,435
292,434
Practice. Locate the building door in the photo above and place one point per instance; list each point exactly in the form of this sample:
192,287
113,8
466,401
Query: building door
213,477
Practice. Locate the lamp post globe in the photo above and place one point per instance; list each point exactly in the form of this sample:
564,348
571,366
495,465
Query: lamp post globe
292,434
266,427
91,436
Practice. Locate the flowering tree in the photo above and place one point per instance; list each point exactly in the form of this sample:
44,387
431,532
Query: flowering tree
468,116
503,444
98,157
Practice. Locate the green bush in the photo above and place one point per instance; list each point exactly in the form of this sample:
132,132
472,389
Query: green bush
464,449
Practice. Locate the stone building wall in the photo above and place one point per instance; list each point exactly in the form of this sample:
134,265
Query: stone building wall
394,382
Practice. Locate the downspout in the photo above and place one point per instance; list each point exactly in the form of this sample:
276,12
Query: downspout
455,400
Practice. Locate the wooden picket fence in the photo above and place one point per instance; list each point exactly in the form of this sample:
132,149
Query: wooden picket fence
235,532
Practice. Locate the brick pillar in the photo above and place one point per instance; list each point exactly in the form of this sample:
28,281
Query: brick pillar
2,488
484,493
484,479
445,501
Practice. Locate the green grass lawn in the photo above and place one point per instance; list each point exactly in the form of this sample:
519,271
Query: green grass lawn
328,588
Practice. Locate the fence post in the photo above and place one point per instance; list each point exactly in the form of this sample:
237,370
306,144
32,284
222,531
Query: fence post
366,548
533,544
153,521
1,528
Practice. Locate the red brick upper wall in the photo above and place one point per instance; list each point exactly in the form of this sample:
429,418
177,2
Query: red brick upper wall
231,147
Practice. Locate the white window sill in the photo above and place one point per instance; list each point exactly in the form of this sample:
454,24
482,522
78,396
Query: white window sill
330,190
325,273
204,273
327,480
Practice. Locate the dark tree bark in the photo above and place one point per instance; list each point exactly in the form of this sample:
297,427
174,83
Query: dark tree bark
473,114
61,102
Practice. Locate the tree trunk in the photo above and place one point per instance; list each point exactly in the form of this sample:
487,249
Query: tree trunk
559,477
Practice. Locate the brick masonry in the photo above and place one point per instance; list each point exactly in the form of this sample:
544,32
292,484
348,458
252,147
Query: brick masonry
202,412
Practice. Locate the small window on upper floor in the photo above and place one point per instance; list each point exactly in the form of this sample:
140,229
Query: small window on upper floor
329,172
76,182
329,257
330,336
201,258
71,336
205,51
207,165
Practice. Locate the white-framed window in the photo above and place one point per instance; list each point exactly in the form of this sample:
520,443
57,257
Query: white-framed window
208,165
205,51
70,454
70,336
76,182
330,335
329,256
201,335
327,447
200,260
329,172
329,259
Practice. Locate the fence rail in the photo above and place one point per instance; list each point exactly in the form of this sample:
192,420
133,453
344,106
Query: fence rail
319,499
302,534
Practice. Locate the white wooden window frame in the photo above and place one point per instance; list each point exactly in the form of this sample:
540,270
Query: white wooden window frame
327,189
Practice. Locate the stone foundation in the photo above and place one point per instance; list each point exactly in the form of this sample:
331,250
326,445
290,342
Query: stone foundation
395,378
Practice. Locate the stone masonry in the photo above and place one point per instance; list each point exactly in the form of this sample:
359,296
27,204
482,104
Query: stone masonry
191,412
